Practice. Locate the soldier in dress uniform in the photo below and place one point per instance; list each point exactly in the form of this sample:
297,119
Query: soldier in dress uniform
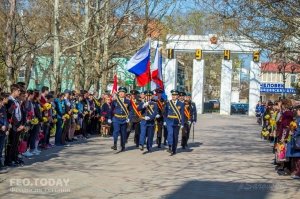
188,119
174,120
160,119
149,112
135,119
121,113
188,98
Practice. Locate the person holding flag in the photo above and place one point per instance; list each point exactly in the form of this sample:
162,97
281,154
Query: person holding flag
121,114
148,110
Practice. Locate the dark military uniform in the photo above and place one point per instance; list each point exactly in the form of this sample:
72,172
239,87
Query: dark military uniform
135,118
121,112
149,111
174,118
160,120
187,123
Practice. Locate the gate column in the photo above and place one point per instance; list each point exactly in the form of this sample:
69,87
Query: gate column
198,84
225,96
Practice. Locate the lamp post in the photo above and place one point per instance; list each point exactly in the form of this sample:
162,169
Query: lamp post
282,70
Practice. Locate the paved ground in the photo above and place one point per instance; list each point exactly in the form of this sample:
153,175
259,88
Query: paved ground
227,160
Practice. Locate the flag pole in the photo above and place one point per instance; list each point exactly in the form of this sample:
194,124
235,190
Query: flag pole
149,74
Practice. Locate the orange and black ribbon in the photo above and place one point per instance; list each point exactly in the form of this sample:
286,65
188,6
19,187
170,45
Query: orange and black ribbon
134,106
159,104
187,113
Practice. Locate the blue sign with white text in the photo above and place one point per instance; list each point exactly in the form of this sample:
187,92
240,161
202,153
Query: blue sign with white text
275,88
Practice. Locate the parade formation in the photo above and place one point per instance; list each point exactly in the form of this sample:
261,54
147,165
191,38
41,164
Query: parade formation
30,117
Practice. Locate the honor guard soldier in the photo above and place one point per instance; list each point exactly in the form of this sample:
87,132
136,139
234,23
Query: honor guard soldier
193,110
149,112
173,115
160,119
136,117
121,112
188,119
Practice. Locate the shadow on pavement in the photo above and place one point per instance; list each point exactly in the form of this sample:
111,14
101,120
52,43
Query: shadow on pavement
215,190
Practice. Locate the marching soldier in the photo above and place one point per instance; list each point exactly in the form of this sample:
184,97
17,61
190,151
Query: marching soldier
174,115
121,112
160,119
148,110
136,117
193,110
187,121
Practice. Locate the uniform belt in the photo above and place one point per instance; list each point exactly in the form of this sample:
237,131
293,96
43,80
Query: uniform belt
173,116
120,116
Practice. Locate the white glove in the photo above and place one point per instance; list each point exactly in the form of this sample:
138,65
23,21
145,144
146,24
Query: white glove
189,122
127,120
157,116
145,104
147,118
3,128
109,121
181,127
165,123
194,123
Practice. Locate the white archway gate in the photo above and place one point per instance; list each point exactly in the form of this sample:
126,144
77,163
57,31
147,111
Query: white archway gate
212,44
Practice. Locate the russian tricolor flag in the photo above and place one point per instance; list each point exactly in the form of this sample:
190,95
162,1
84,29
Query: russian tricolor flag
156,70
139,65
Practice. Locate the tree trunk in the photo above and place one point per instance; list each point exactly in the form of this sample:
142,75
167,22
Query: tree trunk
29,67
56,50
104,81
9,35
147,19
105,63
78,55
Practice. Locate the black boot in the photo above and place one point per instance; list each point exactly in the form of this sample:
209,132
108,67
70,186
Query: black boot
142,147
170,149
3,169
114,147
123,148
159,142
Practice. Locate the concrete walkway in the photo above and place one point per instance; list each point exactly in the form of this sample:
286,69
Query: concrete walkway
226,160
